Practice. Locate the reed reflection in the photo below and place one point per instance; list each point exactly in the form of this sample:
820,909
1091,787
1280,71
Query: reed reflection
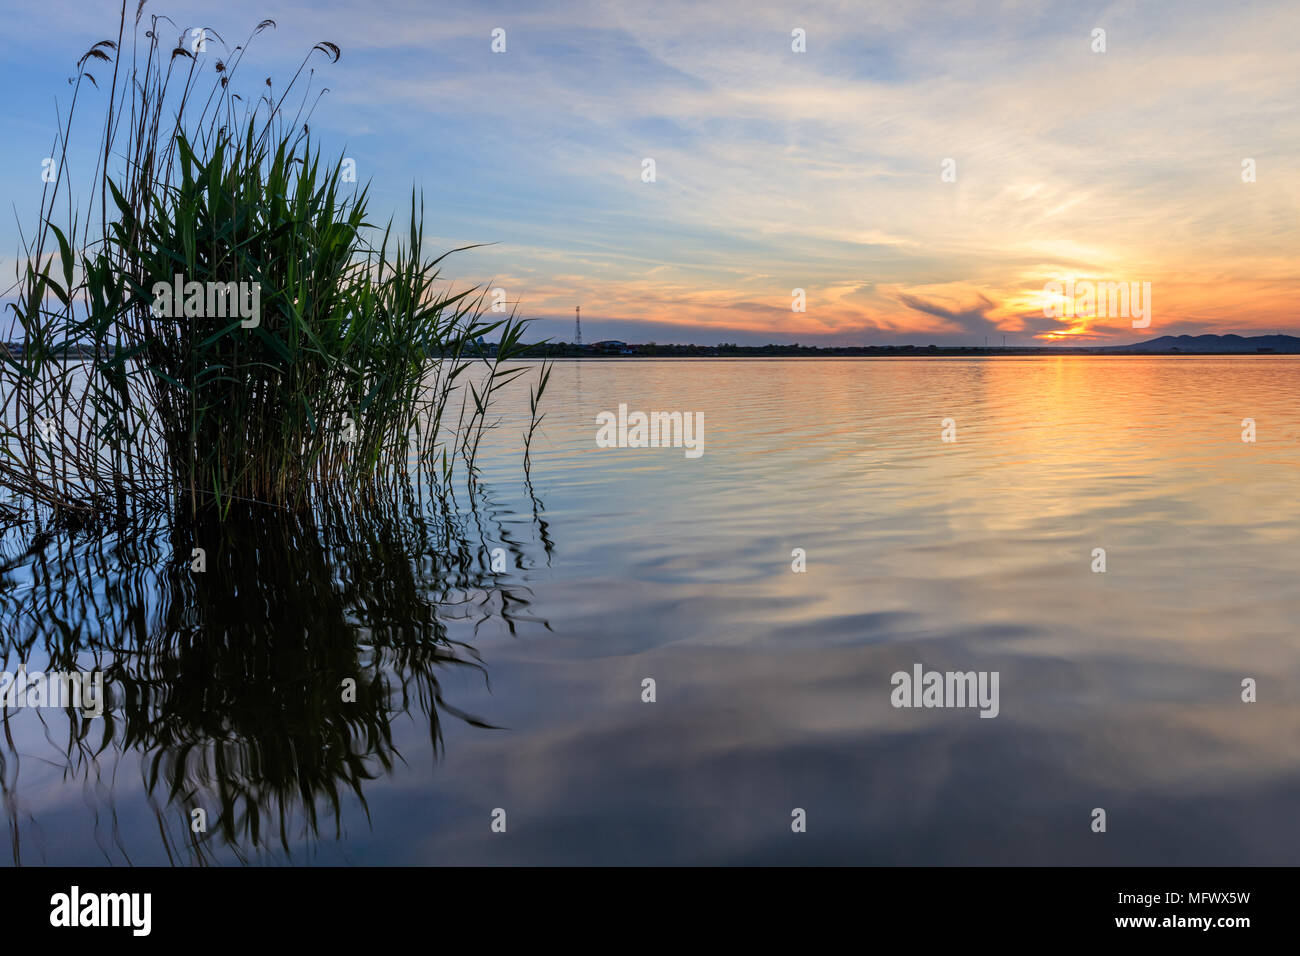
264,689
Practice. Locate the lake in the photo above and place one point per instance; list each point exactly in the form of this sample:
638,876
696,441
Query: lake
469,684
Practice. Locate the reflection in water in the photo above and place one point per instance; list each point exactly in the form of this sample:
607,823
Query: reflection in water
264,689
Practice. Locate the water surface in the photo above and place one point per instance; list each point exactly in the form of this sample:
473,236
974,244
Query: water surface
522,690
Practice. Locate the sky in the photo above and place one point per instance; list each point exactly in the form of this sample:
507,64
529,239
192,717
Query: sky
921,171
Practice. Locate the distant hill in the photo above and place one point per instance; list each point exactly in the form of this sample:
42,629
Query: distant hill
1213,343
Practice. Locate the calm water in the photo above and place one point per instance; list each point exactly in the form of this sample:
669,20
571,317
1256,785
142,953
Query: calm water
522,690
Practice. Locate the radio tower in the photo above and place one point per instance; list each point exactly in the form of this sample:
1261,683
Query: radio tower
577,325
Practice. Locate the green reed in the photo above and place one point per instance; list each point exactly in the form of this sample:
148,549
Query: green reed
343,383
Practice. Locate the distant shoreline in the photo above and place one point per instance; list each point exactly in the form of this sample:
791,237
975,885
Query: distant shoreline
924,354
1164,345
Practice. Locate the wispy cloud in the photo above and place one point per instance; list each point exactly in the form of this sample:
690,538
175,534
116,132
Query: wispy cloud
820,170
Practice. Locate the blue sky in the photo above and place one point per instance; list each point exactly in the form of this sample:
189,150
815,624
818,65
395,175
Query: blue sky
778,170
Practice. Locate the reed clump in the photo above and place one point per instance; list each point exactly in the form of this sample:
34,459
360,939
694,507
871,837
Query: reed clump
221,322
